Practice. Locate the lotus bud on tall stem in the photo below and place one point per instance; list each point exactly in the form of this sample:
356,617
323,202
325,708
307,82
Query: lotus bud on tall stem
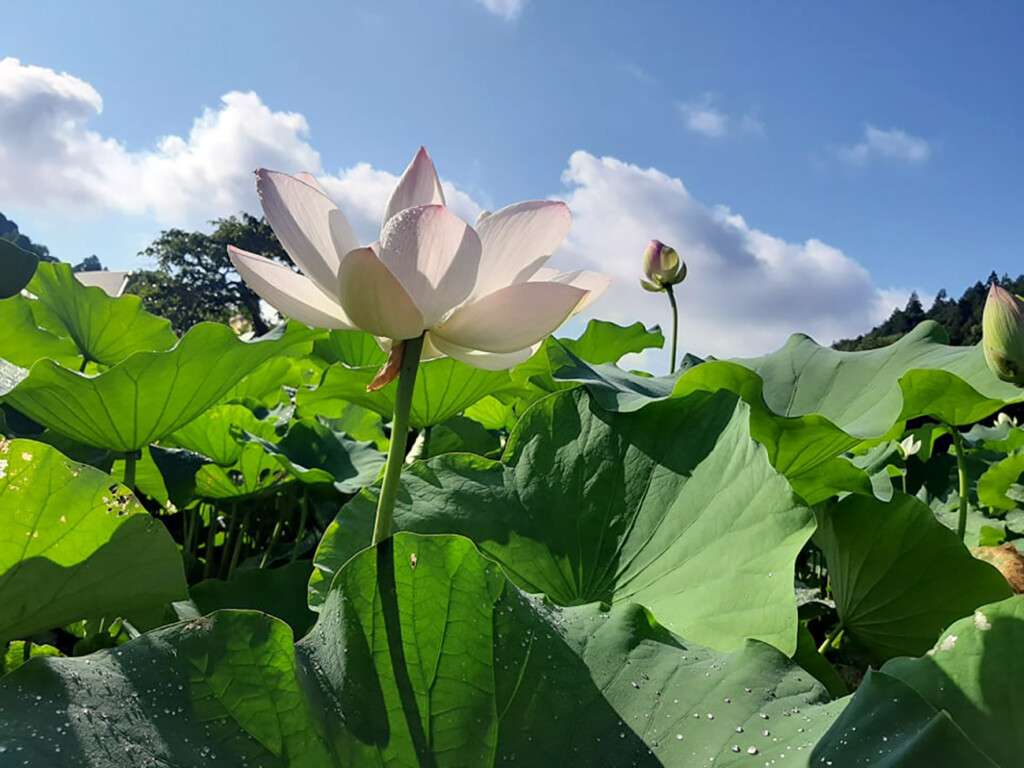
663,269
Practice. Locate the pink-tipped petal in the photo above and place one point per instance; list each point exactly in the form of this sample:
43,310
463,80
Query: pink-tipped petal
517,240
314,233
594,283
290,293
374,298
511,318
435,255
419,185
488,361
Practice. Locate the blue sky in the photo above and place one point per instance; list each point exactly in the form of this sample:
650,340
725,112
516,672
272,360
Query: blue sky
886,135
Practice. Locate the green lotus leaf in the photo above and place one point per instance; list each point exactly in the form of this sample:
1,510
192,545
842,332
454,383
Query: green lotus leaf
18,268
75,544
899,577
997,480
353,348
959,705
22,341
255,473
105,330
444,388
213,433
424,654
674,507
146,396
314,453
810,403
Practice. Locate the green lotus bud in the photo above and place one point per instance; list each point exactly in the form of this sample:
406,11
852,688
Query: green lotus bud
662,267
1002,335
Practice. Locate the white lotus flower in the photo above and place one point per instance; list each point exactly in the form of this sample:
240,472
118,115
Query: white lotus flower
480,295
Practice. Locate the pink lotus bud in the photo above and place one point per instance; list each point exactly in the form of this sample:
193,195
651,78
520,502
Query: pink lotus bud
1002,335
662,267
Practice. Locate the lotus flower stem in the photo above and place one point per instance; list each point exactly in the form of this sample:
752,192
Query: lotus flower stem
961,471
675,325
399,435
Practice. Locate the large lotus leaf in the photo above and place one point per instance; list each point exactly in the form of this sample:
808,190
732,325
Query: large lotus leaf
810,403
281,592
213,433
313,453
265,384
866,393
22,341
806,449
18,266
255,473
75,544
997,480
958,706
601,342
424,656
147,396
105,330
444,387
674,507
899,577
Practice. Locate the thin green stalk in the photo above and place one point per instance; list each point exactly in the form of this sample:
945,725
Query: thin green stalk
211,534
675,325
237,551
274,534
26,650
301,530
961,471
229,542
85,362
399,437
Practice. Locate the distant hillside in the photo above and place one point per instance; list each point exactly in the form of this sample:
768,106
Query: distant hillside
960,317
9,231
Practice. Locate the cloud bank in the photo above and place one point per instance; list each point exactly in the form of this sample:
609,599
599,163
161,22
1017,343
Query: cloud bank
747,290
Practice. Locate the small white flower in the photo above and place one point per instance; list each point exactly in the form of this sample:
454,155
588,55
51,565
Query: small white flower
909,446
1007,419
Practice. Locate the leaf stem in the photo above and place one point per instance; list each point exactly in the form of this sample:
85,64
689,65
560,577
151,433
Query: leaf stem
129,469
675,325
961,471
412,348
303,515
211,535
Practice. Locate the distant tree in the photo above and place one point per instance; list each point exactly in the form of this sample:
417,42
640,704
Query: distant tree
194,279
961,318
9,231
88,264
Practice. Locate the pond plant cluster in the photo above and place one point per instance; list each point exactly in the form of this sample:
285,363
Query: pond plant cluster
410,527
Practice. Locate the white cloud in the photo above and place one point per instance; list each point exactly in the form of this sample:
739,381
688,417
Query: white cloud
891,144
705,118
506,9
746,291
52,159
